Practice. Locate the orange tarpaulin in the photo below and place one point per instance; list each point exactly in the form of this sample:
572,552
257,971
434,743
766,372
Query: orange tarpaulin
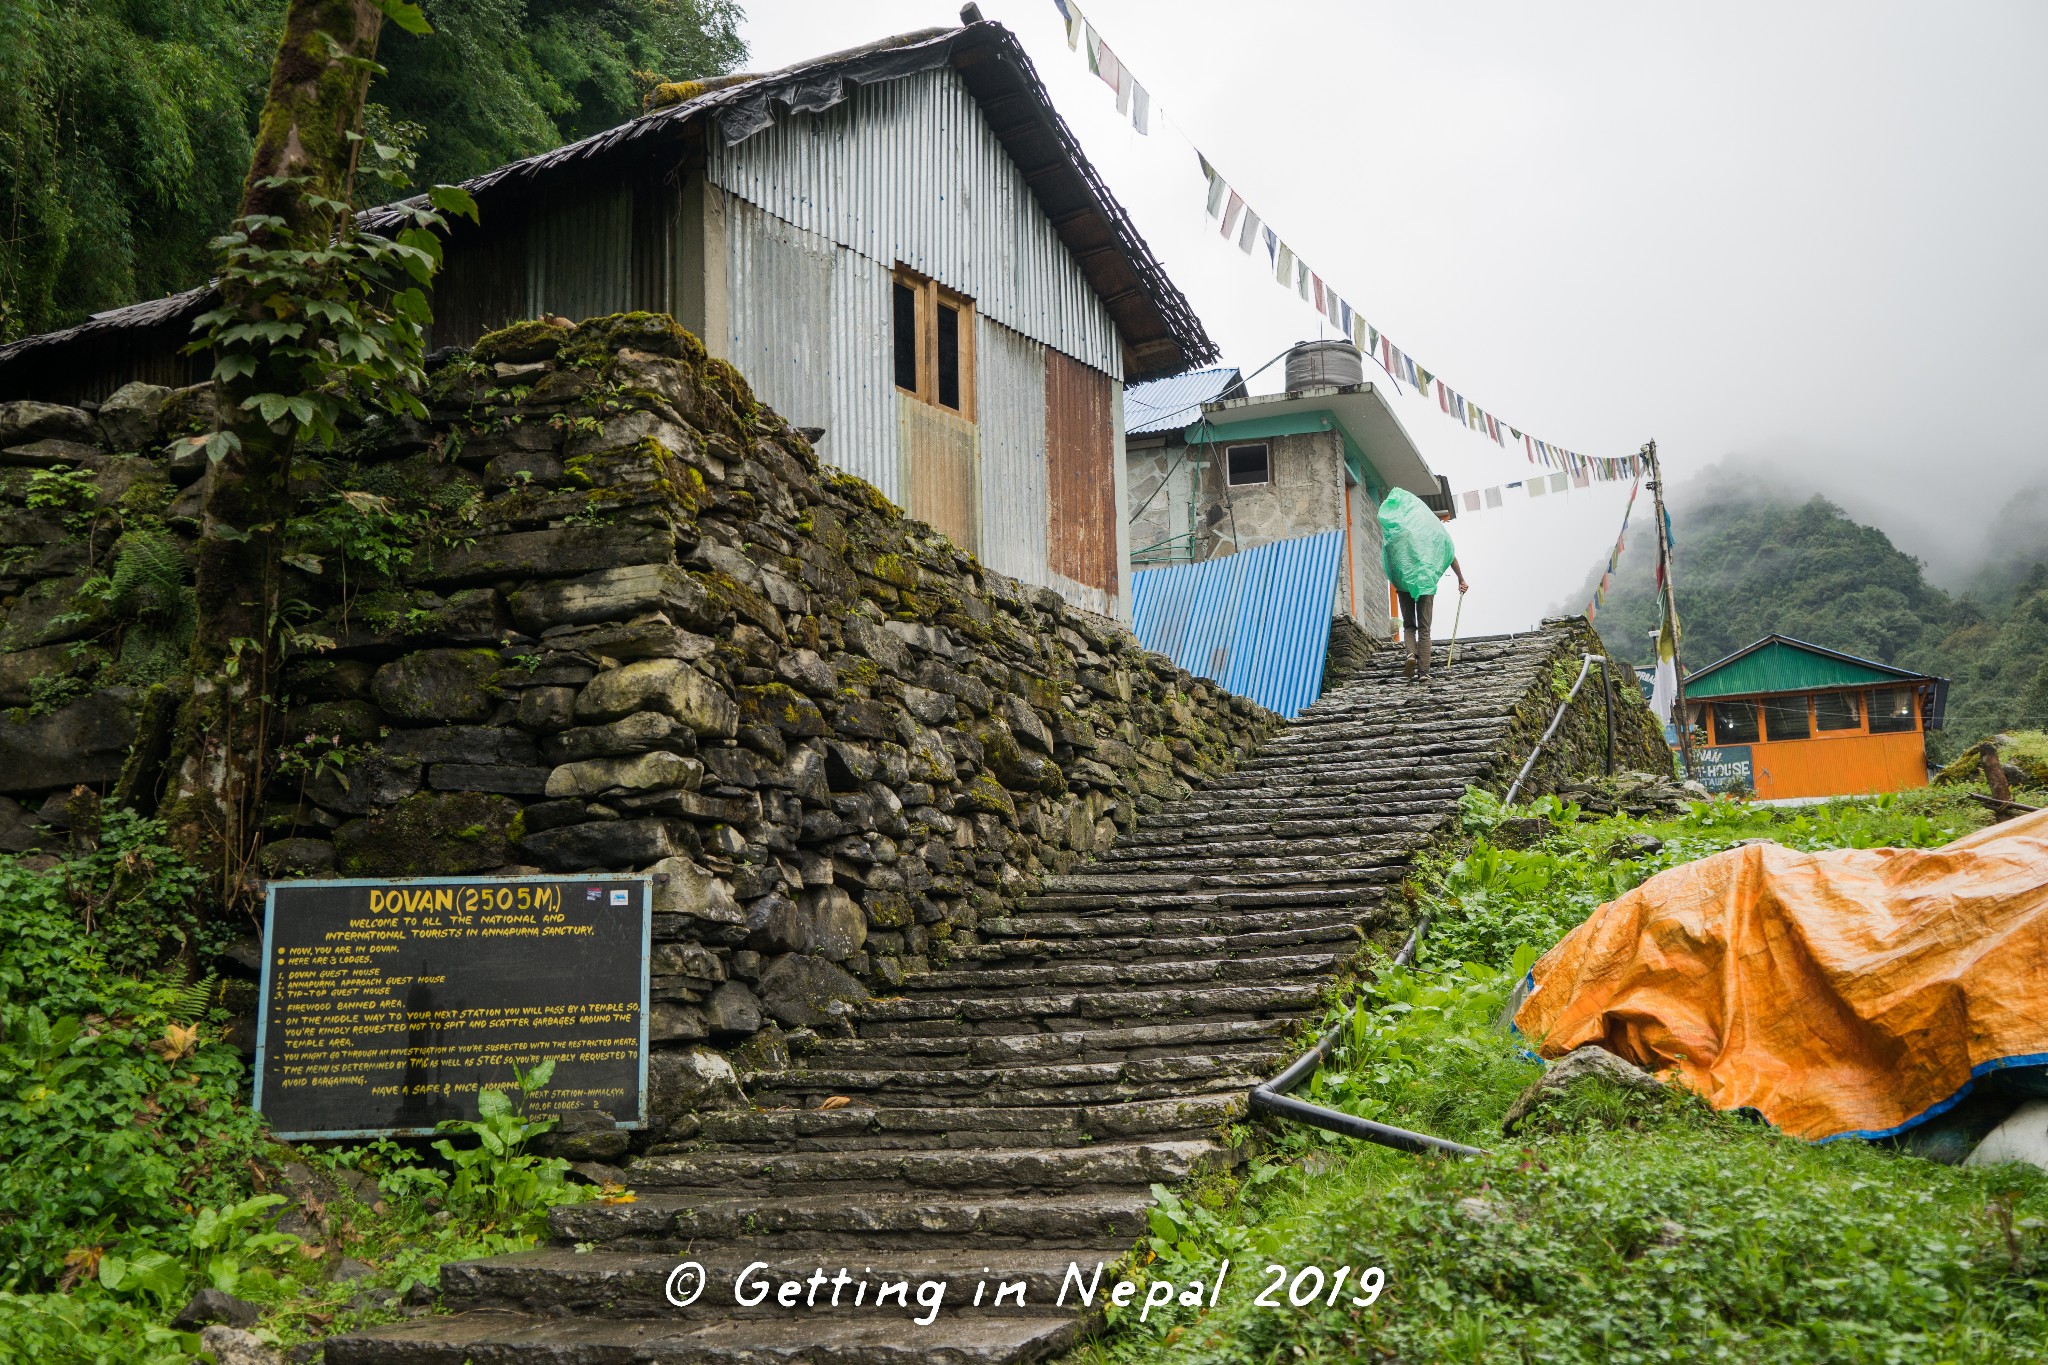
1847,993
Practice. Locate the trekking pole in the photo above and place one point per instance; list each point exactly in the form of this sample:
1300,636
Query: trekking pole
1456,616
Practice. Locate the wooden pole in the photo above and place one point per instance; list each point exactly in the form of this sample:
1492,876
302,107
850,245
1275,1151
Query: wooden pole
1670,609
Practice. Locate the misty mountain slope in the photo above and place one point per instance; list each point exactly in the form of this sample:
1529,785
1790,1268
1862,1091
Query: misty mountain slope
1751,564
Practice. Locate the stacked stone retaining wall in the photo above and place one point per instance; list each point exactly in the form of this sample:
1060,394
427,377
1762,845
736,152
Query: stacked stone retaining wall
603,611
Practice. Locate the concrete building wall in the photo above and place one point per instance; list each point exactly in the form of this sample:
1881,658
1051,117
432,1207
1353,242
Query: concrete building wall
1163,479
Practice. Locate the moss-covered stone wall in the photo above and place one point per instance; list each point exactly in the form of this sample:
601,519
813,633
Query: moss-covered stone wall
606,612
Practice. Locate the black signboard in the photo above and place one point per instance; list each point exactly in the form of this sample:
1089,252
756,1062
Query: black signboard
386,1006
1726,769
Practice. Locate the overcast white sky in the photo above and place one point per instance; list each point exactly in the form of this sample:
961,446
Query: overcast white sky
1812,235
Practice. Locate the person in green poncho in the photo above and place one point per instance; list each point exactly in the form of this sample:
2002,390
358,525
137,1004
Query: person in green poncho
1415,549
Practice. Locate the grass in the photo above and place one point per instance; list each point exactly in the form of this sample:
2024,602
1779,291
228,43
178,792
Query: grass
132,1171
1614,1227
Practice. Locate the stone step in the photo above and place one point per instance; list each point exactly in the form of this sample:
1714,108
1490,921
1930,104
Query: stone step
1114,1082
890,1336
559,1282
1012,1169
666,1221
930,1127
1080,1045
984,982
1050,1012
1138,943
1137,883
1201,900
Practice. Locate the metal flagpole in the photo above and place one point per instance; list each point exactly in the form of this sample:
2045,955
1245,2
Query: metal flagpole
1679,719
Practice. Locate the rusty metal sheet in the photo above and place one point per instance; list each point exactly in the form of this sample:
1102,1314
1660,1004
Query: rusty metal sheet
1080,460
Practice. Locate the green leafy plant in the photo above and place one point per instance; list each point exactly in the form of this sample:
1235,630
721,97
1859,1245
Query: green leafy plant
497,1176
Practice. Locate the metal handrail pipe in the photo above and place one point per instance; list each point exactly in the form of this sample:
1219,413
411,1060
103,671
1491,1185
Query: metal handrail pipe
1585,666
1272,1096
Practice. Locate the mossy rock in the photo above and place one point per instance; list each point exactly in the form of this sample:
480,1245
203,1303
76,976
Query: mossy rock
439,685
784,708
983,793
2021,752
655,333
521,343
432,834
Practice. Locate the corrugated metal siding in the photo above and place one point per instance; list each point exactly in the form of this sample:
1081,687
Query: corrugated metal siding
1256,622
579,255
1080,459
909,171
1010,400
808,324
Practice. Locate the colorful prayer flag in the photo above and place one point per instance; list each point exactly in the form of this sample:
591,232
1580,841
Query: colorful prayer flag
1283,268
1250,234
1141,109
1230,214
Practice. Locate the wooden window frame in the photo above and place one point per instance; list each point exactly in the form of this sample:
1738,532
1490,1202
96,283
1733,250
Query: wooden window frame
930,294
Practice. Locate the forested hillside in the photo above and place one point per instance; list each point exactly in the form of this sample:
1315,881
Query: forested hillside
1751,563
125,124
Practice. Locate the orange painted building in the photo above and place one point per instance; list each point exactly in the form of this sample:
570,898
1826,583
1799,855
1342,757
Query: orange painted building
1784,718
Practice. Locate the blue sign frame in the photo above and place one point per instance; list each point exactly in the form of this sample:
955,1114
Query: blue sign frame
644,881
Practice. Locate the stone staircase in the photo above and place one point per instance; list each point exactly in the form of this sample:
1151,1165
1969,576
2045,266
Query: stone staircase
1004,1117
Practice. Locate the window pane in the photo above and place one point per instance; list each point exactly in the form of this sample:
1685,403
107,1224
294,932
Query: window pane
1786,718
1838,710
1734,722
949,356
1891,710
906,337
1246,464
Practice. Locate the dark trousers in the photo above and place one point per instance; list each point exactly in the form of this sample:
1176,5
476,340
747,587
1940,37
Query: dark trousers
1416,613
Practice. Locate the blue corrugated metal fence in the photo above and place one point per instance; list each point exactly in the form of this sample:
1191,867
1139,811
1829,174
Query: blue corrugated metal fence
1256,622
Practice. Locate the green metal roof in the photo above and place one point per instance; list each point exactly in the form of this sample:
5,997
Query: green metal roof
1778,663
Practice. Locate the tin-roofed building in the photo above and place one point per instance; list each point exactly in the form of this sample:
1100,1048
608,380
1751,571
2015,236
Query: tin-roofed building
901,246
1785,718
1213,470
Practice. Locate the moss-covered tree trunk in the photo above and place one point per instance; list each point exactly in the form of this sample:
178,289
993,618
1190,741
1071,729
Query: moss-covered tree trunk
304,156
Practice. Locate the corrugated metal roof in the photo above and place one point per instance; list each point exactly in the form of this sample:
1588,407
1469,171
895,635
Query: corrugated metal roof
1256,622
1175,402
1779,663
1151,313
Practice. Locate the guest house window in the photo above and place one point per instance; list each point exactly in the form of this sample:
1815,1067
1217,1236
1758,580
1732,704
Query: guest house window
1735,722
933,338
1838,711
1891,710
1787,718
1247,464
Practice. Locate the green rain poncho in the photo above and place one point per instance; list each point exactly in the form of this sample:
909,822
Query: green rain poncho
1415,549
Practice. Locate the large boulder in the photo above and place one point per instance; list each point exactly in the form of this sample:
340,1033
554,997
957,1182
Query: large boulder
681,887
446,834
614,595
26,421
804,991
658,771
607,843
669,686
83,742
1586,1066
439,685
833,925
131,418
685,1082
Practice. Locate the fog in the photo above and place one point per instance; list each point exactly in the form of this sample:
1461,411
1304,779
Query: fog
1805,240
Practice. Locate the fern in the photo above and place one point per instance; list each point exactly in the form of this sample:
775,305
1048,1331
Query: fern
189,1003
149,576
